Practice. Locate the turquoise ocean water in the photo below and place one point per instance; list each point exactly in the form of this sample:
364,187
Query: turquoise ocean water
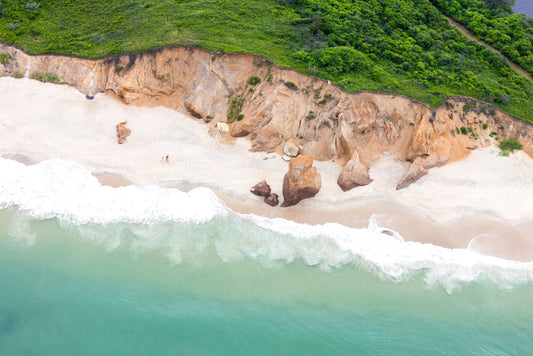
186,276
68,292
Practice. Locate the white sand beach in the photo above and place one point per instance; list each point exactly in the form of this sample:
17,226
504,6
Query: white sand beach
484,203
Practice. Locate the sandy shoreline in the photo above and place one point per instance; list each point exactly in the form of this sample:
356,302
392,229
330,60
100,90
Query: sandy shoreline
485,235
453,206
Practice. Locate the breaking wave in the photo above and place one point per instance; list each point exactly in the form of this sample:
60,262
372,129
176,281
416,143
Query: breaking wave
184,226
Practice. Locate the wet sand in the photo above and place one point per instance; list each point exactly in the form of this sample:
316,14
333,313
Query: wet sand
487,236
467,204
112,179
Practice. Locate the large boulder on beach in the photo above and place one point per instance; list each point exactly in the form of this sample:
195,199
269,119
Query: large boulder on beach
301,181
261,189
354,174
122,132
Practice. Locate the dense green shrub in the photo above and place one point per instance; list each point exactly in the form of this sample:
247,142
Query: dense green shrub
510,145
254,80
341,59
45,77
291,85
235,109
5,58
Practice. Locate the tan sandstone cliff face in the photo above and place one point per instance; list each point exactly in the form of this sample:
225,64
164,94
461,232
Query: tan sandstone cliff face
327,122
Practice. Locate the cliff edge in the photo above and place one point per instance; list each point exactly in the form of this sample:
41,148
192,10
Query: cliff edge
272,106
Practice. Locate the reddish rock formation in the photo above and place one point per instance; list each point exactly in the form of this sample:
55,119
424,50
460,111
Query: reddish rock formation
122,132
415,172
261,189
418,169
301,181
272,199
209,85
194,111
354,174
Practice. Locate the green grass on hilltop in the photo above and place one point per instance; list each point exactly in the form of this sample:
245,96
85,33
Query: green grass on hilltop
398,46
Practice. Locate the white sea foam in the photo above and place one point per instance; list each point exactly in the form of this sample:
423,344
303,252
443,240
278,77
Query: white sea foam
394,257
65,190
62,189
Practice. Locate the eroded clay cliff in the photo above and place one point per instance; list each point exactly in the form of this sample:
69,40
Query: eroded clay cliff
282,105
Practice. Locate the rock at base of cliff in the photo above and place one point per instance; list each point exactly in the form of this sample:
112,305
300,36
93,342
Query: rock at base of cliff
420,167
291,149
416,171
266,140
122,132
302,181
197,113
272,199
354,174
261,189
222,127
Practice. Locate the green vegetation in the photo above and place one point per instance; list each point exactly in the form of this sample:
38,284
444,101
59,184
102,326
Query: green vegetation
397,46
45,77
498,3
254,80
291,85
510,145
496,25
325,99
17,74
235,109
5,58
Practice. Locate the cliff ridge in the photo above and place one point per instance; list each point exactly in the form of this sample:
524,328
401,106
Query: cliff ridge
270,106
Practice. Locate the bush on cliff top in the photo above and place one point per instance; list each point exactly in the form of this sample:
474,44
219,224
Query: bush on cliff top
400,46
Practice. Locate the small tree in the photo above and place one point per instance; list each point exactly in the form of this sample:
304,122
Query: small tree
254,80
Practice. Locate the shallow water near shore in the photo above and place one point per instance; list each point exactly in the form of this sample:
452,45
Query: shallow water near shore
199,289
